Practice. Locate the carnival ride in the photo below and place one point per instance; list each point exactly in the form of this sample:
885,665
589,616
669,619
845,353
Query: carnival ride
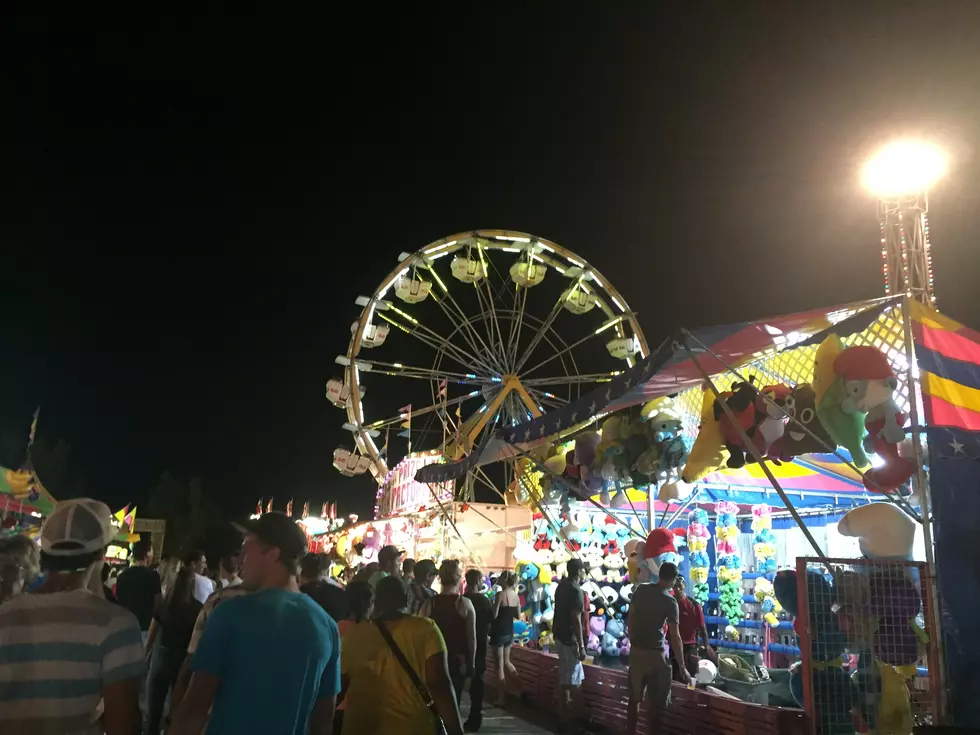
476,331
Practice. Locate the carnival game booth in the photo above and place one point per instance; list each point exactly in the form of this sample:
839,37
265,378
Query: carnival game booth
799,419
428,523
25,503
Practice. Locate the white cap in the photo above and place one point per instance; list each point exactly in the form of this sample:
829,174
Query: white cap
77,527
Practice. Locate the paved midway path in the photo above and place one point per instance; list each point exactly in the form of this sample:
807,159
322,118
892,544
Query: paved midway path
500,722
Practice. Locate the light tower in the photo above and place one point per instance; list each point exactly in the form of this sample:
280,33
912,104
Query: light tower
900,175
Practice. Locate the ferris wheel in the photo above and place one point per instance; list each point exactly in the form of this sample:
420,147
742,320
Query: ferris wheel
476,331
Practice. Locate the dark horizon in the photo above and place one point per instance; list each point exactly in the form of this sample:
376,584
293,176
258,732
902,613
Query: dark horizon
192,212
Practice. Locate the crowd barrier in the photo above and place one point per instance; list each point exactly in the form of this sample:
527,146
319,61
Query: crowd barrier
605,693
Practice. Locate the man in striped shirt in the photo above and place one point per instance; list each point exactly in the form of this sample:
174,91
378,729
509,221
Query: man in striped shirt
70,661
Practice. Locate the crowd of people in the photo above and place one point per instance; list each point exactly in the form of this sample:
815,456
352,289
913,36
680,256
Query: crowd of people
275,644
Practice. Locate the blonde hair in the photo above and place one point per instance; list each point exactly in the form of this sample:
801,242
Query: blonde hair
169,568
450,572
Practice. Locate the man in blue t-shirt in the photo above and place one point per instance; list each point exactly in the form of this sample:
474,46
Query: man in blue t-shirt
268,662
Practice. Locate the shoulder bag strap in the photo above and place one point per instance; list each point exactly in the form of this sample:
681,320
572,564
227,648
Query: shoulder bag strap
400,657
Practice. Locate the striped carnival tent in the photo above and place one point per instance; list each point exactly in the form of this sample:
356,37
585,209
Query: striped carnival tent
948,358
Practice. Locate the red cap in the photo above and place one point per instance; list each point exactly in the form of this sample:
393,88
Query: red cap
659,541
863,363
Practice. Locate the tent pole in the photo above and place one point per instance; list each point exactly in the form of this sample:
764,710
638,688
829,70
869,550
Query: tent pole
758,458
925,494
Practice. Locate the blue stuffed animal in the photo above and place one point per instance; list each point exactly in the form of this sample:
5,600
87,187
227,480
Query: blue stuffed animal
615,631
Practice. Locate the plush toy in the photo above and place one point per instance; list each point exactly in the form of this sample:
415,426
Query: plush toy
729,565
771,406
741,401
592,590
846,429
597,626
614,568
697,544
614,633
625,646
666,450
658,548
709,452
764,542
609,596
765,595
633,551
801,405
870,384
522,632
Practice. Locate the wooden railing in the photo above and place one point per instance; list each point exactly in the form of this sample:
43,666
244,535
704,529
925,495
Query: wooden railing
604,695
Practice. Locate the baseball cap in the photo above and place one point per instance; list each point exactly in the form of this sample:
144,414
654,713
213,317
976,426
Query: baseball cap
76,527
277,529
389,552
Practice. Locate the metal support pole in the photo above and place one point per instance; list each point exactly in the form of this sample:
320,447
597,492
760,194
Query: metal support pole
925,493
754,451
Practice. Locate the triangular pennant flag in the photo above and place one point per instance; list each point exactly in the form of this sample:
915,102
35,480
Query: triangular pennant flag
323,510
289,508
442,389
406,433
268,506
333,511
258,507
306,509
130,519
405,413
121,515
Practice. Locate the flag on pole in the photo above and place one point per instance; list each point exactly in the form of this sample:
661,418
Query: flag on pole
268,506
258,507
289,508
306,509
323,511
406,415
30,440
130,520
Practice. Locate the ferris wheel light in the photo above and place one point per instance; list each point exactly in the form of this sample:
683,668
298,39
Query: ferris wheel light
904,167
575,262
511,250
617,303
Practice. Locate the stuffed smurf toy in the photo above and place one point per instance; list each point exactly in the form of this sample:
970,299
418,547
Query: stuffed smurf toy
658,549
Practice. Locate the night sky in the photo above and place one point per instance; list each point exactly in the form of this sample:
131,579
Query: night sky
190,209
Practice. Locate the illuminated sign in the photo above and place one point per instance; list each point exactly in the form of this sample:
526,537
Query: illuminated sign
400,493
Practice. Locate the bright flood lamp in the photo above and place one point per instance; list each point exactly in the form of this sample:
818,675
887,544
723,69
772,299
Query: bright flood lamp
904,167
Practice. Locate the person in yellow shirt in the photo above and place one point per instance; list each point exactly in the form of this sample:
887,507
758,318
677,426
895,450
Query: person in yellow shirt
381,696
